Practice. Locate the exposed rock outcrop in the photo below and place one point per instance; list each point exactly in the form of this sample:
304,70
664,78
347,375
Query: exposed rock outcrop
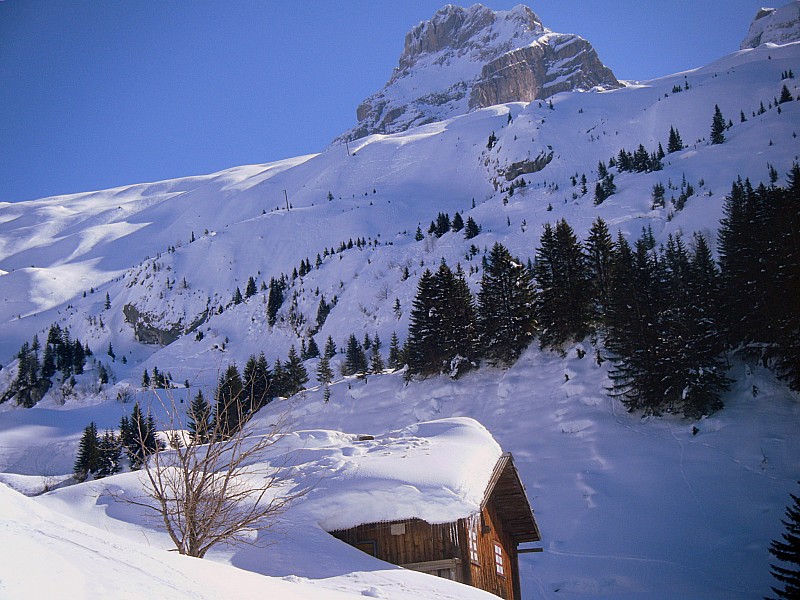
525,167
149,330
467,58
774,26
556,63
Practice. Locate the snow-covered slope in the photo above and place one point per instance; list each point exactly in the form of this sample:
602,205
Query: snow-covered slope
627,508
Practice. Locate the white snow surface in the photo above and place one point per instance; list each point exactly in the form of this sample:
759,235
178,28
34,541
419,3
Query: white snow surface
628,507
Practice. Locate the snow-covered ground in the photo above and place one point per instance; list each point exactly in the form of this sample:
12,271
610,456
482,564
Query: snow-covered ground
628,508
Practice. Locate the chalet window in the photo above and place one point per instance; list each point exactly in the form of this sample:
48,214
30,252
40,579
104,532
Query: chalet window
498,560
474,556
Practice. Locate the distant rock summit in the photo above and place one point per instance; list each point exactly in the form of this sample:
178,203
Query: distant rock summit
468,58
774,26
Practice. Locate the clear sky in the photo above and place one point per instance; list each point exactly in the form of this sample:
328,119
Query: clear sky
97,94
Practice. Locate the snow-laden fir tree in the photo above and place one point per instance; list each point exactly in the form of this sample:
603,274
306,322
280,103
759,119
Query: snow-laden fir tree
506,304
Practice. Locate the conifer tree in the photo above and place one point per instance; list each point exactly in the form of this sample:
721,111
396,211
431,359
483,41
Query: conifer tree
458,222
229,400
562,279
330,348
237,296
274,299
355,359
376,360
88,458
313,350
787,551
325,376
786,95
631,338
279,385
442,224
718,127
506,317
674,143
251,288
471,229
110,455
323,310
138,436
199,419
395,361
296,374
599,256
256,381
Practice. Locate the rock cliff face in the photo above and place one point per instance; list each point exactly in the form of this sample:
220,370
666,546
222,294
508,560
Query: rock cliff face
470,58
556,63
774,26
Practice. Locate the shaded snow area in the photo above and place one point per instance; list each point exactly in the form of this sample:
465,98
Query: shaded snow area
436,470
627,507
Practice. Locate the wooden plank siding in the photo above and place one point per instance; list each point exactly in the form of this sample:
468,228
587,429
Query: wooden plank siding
484,575
421,541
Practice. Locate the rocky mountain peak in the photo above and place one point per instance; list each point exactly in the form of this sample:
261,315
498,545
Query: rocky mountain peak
468,58
774,26
458,31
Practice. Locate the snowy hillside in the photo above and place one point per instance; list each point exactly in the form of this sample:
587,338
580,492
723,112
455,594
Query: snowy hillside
628,507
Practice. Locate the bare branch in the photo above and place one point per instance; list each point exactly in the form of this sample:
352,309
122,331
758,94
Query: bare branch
222,491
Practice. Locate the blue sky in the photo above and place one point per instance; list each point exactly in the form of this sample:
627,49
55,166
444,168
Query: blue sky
97,94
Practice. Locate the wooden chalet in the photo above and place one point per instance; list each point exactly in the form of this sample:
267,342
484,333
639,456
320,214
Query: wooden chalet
480,550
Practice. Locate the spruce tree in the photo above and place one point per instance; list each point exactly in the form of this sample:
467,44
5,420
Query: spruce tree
505,316
786,95
256,381
562,279
674,143
229,400
325,376
110,455
313,349
355,362
251,289
442,331
787,551
88,458
279,383
631,338
199,419
458,222
138,436
599,256
717,127
296,374
274,299
376,360
330,348
471,229
395,360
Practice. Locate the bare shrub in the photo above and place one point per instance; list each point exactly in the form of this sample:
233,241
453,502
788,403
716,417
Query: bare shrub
204,494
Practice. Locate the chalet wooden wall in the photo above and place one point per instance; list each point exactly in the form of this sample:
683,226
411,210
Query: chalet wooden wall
421,541
484,575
